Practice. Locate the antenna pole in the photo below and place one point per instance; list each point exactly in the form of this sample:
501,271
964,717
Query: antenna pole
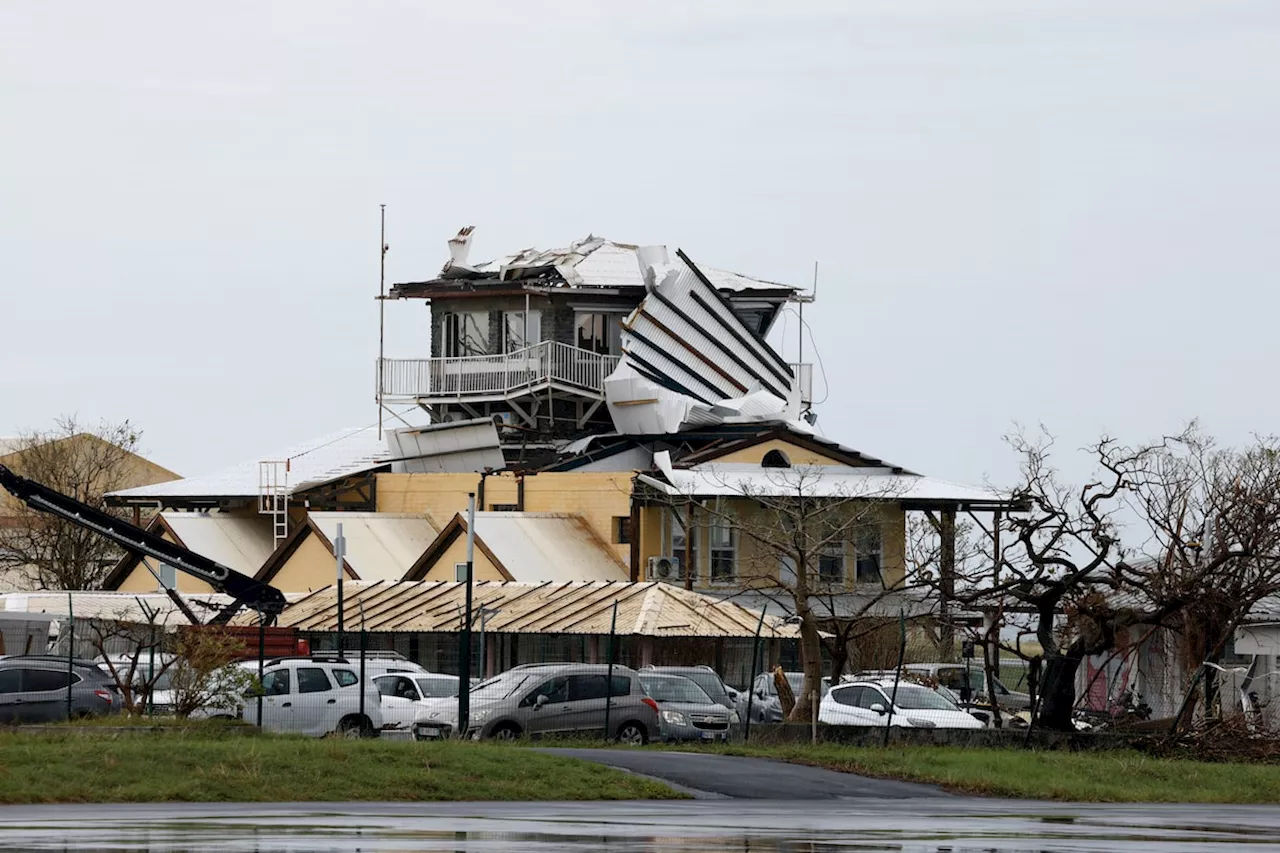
382,307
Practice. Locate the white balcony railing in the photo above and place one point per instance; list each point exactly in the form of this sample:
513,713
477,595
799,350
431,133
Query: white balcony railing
506,374
804,376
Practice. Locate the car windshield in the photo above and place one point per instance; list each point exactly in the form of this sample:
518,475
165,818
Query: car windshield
498,688
439,688
674,688
708,681
914,697
796,680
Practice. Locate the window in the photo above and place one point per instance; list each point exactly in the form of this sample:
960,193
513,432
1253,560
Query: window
168,576
465,333
831,563
676,541
775,459
345,677
311,679
504,508
622,529
600,333
556,690
723,546
852,696
276,683
460,572
10,680
38,680
868,547
584,687
398,686
620,686
521,330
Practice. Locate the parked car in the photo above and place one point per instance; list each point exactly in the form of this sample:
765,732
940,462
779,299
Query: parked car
34,688
548,699
685,711
406,696
966,681
867,703
706,678
763,699
303,696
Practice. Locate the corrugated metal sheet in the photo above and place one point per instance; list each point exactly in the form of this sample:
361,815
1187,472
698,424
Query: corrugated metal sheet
380,545
831,481
312,463
450,447
237,542
648,609
535,546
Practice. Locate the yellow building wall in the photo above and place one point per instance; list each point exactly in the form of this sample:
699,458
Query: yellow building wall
758,564
456,553
797,455
598,497
141,580
309,567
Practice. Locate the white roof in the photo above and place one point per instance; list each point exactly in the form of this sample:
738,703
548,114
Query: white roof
236,542
537,546
312,463
742,479
597,262
379,545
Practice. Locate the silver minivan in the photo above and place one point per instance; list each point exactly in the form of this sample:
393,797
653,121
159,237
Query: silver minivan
552,699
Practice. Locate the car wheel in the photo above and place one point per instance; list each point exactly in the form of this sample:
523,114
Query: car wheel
633,734
507,731
354,727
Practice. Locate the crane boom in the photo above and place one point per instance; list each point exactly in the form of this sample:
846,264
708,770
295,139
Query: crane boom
247,591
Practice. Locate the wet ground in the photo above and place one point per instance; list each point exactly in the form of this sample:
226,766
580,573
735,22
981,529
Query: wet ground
953,824
742,805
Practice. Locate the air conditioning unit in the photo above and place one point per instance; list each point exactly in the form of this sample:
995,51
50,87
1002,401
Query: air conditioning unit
665,568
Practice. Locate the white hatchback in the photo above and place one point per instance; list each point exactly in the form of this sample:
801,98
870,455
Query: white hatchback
866,703
316,698
406,696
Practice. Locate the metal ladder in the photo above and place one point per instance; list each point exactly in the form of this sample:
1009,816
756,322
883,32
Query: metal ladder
273,497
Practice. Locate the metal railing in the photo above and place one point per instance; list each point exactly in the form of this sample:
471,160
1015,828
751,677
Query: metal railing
486,375
804,376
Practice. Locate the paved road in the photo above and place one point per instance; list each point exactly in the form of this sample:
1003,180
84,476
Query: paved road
749,778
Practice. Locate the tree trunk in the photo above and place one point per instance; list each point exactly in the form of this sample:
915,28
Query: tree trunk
1058,688
811,661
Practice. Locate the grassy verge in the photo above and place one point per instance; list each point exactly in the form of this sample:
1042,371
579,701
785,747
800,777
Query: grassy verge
1110,777
206,767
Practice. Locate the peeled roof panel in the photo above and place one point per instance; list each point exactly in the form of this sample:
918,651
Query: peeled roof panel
312,463
725,480
234,541
380,545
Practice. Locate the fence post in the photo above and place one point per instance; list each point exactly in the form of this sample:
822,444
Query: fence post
262,659
751,677
464,639
813,707
340,552
151,673
363,644
608,686
897,673
71,648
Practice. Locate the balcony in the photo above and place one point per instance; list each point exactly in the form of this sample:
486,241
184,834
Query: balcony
497,377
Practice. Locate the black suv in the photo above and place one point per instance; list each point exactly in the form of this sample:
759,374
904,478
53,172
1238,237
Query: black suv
33,689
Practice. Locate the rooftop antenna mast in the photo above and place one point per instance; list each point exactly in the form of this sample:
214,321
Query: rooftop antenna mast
382,308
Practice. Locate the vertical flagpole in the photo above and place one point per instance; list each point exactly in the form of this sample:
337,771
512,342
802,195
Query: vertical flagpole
382,309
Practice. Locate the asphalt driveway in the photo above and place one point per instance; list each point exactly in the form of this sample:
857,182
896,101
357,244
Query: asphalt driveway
749,778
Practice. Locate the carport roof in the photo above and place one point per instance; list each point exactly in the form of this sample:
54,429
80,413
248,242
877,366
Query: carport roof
650,609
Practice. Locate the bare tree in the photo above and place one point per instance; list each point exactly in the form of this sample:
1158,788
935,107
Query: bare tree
1206,527
85,464
798,534
133,654
202,675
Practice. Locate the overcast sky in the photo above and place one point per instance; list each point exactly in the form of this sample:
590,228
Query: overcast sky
1023,212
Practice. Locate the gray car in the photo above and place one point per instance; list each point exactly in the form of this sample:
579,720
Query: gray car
685,711
763,698
33,689
703,676
552,699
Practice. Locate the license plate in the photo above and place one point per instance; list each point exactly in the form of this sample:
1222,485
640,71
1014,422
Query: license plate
429,733
708,736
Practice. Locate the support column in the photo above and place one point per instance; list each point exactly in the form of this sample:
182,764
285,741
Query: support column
946,584
635,538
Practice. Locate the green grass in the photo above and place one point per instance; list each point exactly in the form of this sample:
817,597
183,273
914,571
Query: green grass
203,766
1110,777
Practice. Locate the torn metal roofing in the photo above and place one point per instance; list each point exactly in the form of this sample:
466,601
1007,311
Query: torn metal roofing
689,360
379,545
649,609
591,262
543,546
449,447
